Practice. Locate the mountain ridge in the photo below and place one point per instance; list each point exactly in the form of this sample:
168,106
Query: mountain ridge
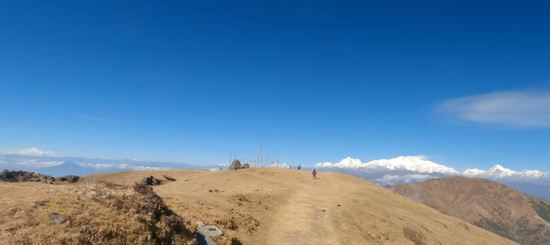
486,204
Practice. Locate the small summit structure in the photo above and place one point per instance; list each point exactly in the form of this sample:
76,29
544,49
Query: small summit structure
235,165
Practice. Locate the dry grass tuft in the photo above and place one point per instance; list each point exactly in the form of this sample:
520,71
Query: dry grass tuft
235,241
94,213
417,237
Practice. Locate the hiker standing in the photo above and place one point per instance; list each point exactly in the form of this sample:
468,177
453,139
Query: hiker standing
314,173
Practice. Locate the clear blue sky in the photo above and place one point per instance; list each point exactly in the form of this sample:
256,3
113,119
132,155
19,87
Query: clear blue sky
312,81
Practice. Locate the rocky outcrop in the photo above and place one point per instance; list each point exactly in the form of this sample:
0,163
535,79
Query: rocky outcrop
24,176
246,165
151,181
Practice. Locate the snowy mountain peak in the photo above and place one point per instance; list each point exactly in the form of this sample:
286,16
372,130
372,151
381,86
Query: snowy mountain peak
411,163
500,168
501,172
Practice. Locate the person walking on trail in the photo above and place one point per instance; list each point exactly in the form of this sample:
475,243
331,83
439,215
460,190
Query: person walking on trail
314,173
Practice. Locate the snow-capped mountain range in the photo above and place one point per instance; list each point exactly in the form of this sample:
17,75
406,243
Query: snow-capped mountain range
420,164
500,172
417,164
414,169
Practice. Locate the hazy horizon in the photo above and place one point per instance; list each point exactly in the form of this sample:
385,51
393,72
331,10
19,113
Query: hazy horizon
464,85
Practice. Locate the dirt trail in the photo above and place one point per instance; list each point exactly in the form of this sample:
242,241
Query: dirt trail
303,218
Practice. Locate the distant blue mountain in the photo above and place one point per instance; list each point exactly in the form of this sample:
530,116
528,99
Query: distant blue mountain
539,191
60,166
67,168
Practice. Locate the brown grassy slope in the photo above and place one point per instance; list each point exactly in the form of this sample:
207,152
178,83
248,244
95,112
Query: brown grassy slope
487,204
93,213
280,206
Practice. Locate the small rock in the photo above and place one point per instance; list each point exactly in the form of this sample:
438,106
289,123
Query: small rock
205,233
210,230
168,178
57,218
372,235
69,178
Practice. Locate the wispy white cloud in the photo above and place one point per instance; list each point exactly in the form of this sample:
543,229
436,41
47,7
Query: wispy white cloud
37,163
95,165
516,108
397,179
147,168
100,166
142,159
280,165
30,152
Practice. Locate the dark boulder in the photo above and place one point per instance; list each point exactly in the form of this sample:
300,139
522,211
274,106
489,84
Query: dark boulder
151,181
68,178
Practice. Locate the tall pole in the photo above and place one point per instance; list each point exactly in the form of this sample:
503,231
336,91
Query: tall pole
262,154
